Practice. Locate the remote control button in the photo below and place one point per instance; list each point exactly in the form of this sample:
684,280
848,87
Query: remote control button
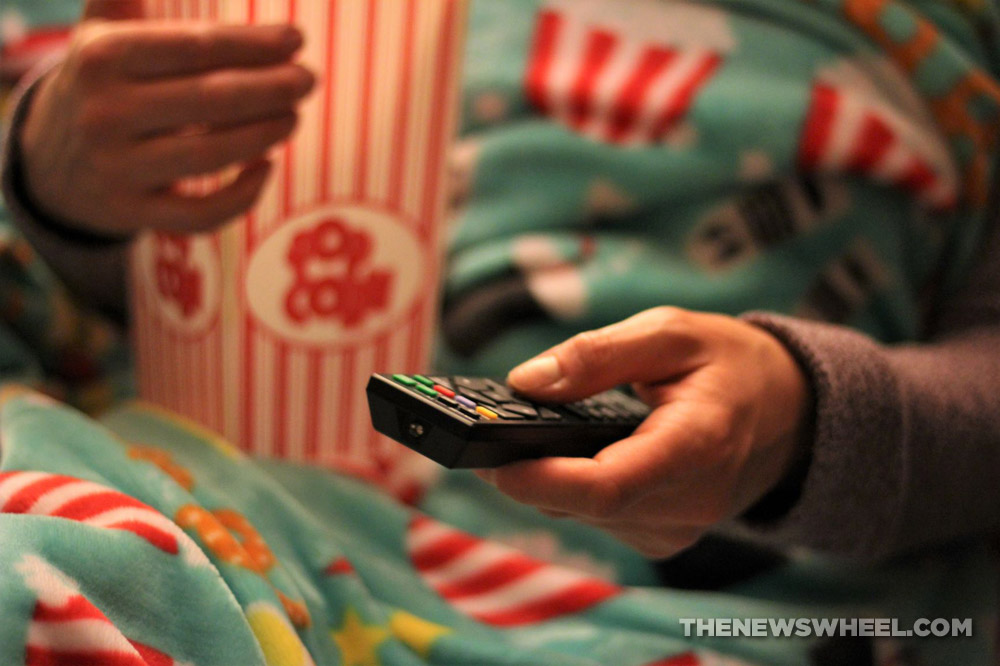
473,383
471,413
429,392
444,390
506,415
520,408
610,414
498,392
478,397
488,413
627,405
616,412
578,410
443,381
445,400
597,413
549,415
404,380
465,402
424,380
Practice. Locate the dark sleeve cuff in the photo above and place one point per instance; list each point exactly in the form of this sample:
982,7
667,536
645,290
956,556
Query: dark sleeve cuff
91,265
19,197
846,495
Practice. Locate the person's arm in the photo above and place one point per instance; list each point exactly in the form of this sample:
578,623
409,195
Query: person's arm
907,438
877,449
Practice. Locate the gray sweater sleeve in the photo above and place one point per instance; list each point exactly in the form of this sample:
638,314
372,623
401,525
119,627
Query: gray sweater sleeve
906,448
91,267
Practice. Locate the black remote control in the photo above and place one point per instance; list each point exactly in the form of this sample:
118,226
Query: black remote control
474,422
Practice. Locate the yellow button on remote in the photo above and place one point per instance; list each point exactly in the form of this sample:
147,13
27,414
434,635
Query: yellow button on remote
487,413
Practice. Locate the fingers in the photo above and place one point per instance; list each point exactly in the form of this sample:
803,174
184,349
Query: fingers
224,98
163,160
192,214
675,466
140,50
652,346
113,10
646,526
582,487
151,52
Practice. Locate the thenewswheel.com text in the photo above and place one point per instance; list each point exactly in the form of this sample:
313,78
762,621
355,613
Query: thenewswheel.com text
802,627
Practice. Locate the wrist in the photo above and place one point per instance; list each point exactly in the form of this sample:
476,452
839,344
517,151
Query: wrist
793,408
20,185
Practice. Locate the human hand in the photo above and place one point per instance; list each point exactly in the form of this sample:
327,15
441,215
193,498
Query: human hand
729,405
138,106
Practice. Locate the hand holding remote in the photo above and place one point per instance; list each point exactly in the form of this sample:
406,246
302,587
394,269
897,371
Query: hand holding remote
729,406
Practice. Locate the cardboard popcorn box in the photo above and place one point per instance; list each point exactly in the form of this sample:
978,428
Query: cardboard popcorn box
267,331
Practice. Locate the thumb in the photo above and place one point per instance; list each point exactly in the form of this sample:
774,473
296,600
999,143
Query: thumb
114,10
650,347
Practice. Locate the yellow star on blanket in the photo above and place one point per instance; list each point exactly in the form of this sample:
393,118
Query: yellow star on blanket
417,633
358,642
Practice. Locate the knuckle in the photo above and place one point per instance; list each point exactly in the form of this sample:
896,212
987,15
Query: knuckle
96,52
667,317
590,348
721,431
678,324
719,427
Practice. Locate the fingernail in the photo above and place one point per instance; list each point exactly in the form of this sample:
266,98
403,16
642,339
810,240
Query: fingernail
536,373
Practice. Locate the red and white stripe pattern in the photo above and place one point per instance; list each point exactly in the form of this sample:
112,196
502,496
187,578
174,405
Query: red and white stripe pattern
612,84
496,584
43,494
850,130
66,629
374,135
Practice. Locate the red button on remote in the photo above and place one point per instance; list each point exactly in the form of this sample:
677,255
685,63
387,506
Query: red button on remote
444,390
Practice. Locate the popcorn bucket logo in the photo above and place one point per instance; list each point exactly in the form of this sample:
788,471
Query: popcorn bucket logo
346,295
342,279
183,274
176,280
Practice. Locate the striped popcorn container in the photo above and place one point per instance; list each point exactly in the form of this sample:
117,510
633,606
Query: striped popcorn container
267,331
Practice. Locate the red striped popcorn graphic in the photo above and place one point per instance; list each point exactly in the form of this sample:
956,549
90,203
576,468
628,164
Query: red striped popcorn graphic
496,584
623,72
851,127
42,494
66,629
268,331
